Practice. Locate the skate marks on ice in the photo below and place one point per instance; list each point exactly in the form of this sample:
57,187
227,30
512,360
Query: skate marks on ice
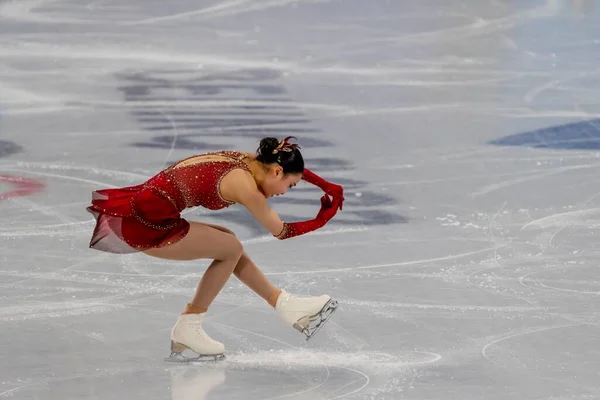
144,380
577,286
113,11
306,358
575,218
485,351
314,369
529,176
263,374
224,9
63,11
317,373
533,351
335,375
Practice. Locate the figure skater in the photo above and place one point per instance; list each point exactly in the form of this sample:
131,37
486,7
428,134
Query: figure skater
147,218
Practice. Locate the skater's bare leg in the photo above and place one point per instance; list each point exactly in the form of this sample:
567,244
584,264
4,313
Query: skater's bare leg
203,241
220,244
249,274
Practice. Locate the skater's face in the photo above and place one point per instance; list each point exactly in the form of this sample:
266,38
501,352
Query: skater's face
278,183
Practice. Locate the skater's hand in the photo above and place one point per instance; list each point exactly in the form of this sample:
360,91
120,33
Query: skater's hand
332,189
328,209
335,191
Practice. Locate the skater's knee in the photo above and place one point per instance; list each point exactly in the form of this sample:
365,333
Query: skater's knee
235,248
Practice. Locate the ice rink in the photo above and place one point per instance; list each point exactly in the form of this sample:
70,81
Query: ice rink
466,135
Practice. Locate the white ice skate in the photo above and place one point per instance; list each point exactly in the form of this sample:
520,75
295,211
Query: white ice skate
187,334
306,314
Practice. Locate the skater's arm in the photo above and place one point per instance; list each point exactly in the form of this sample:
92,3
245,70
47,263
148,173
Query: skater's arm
240,186
256,203
242,189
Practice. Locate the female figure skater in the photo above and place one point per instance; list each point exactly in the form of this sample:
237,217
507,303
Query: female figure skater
146,218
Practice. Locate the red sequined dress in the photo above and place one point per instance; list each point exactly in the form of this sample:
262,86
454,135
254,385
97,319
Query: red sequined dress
136,218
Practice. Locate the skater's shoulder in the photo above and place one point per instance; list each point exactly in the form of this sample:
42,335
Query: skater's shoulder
240,186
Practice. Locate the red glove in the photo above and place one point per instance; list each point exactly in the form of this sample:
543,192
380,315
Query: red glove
336,191
328,210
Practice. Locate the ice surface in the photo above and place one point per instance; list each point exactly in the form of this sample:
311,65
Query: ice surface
466,134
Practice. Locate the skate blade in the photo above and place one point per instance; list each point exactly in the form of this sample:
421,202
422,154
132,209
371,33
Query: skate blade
177,355
179,358
317,321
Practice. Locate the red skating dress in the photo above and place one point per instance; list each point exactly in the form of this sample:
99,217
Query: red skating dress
136,218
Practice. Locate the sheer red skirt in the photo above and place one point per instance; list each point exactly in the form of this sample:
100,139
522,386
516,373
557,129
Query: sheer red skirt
134,219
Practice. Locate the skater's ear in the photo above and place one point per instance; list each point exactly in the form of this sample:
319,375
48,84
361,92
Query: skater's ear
277,171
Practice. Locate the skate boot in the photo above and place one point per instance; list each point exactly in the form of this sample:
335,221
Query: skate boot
187,334
306,314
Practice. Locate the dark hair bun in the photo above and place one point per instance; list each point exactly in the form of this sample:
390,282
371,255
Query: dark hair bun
289,158
265,149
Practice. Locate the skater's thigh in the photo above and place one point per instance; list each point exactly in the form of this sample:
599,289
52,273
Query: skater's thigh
201,241
219,227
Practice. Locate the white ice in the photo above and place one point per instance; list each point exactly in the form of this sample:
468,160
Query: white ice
467,137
